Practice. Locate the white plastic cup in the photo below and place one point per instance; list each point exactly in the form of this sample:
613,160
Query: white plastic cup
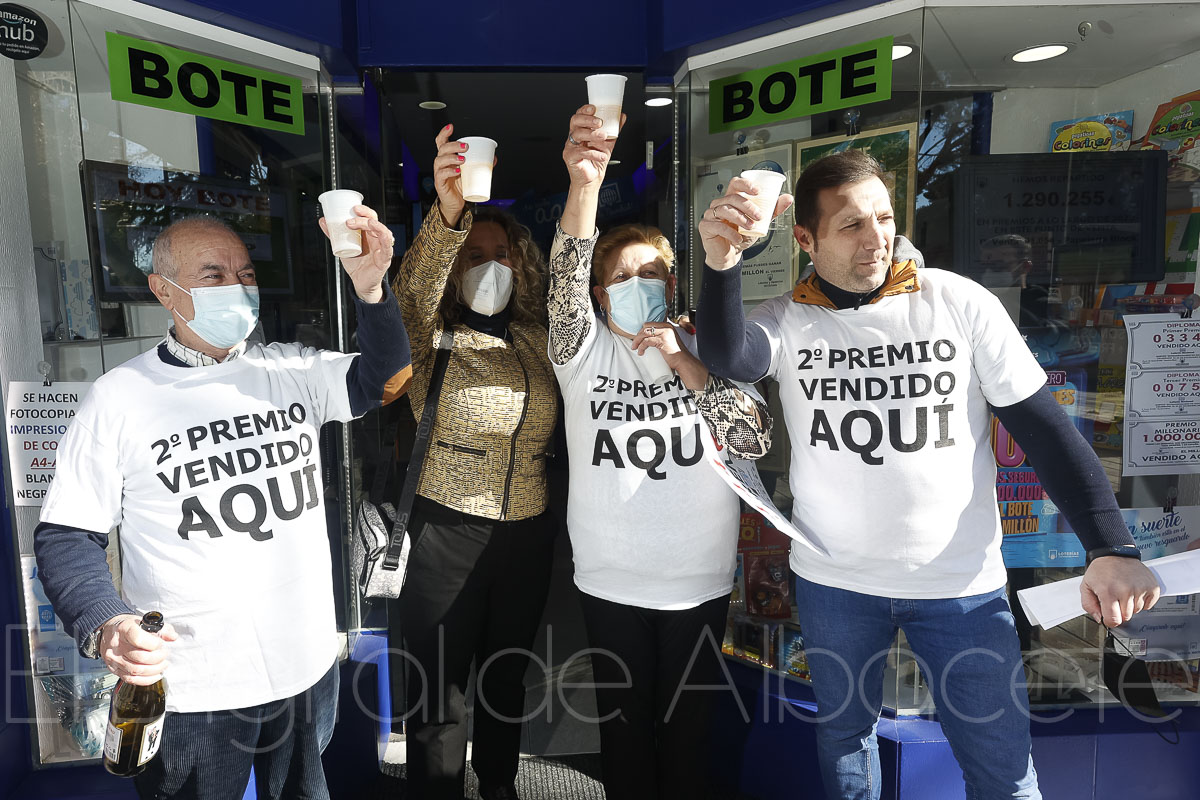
653,366
770,184
606,93
337,206
475,175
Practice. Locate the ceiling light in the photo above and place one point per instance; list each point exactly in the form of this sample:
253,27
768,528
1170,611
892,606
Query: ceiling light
1040,52
899,51
655,102
432,105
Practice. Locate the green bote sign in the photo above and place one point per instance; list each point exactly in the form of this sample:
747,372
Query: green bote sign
153,74
841,78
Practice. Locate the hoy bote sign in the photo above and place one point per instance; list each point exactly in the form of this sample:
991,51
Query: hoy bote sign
840,78
156,75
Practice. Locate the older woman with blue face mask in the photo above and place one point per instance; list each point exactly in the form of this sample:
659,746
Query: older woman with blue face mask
653,527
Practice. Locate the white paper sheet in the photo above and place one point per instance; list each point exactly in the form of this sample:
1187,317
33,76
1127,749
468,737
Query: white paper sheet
1177,574
1054,603
742,476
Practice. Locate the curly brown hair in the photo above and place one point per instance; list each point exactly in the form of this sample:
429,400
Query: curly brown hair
528,266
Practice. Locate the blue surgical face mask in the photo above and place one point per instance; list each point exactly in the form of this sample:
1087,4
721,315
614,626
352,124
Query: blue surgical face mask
636,301
224,315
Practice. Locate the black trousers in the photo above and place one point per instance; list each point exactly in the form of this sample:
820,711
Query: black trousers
654,714
475,591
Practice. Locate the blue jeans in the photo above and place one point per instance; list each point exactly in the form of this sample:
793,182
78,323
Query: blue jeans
968,650
207,755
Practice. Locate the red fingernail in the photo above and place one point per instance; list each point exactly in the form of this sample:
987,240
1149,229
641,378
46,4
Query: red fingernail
463,145
462,158
458,169
446,128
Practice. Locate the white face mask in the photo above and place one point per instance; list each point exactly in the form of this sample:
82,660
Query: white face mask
223,315
487,288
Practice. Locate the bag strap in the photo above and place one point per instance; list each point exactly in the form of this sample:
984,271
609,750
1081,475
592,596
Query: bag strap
382,462
391,559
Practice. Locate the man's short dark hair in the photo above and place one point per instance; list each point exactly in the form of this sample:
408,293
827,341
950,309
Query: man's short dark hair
835,169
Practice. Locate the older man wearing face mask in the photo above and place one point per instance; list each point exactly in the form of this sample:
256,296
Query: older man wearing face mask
204,450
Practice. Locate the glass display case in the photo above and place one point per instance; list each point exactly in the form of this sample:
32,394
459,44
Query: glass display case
101,179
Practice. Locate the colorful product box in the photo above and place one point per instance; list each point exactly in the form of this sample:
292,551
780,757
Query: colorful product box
767,579
1099,133
791,652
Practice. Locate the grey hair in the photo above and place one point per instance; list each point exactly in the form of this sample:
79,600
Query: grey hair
162,257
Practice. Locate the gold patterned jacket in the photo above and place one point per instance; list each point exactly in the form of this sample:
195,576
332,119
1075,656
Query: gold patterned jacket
495,418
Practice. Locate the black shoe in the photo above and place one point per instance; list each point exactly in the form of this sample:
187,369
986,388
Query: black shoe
499,793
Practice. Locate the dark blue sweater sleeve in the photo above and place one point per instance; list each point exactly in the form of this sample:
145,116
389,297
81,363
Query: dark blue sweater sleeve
384,364
73,569
1073,475
728,346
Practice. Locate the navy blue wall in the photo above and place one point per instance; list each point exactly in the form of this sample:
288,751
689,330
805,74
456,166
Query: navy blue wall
1088,754
323,27
503,33
513,34
318,21
691,22
550,33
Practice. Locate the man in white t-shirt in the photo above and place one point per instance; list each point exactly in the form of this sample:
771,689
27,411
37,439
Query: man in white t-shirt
205,450
889,375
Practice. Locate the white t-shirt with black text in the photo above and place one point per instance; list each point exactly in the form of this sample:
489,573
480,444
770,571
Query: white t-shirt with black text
887,412
651,524
214,475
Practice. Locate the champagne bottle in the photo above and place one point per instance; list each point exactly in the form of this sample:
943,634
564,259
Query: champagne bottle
135,719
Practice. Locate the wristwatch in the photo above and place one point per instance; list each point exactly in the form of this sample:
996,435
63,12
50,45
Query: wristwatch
1119,550
90,646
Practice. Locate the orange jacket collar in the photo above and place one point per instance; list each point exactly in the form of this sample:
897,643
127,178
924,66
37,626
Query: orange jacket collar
902,278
